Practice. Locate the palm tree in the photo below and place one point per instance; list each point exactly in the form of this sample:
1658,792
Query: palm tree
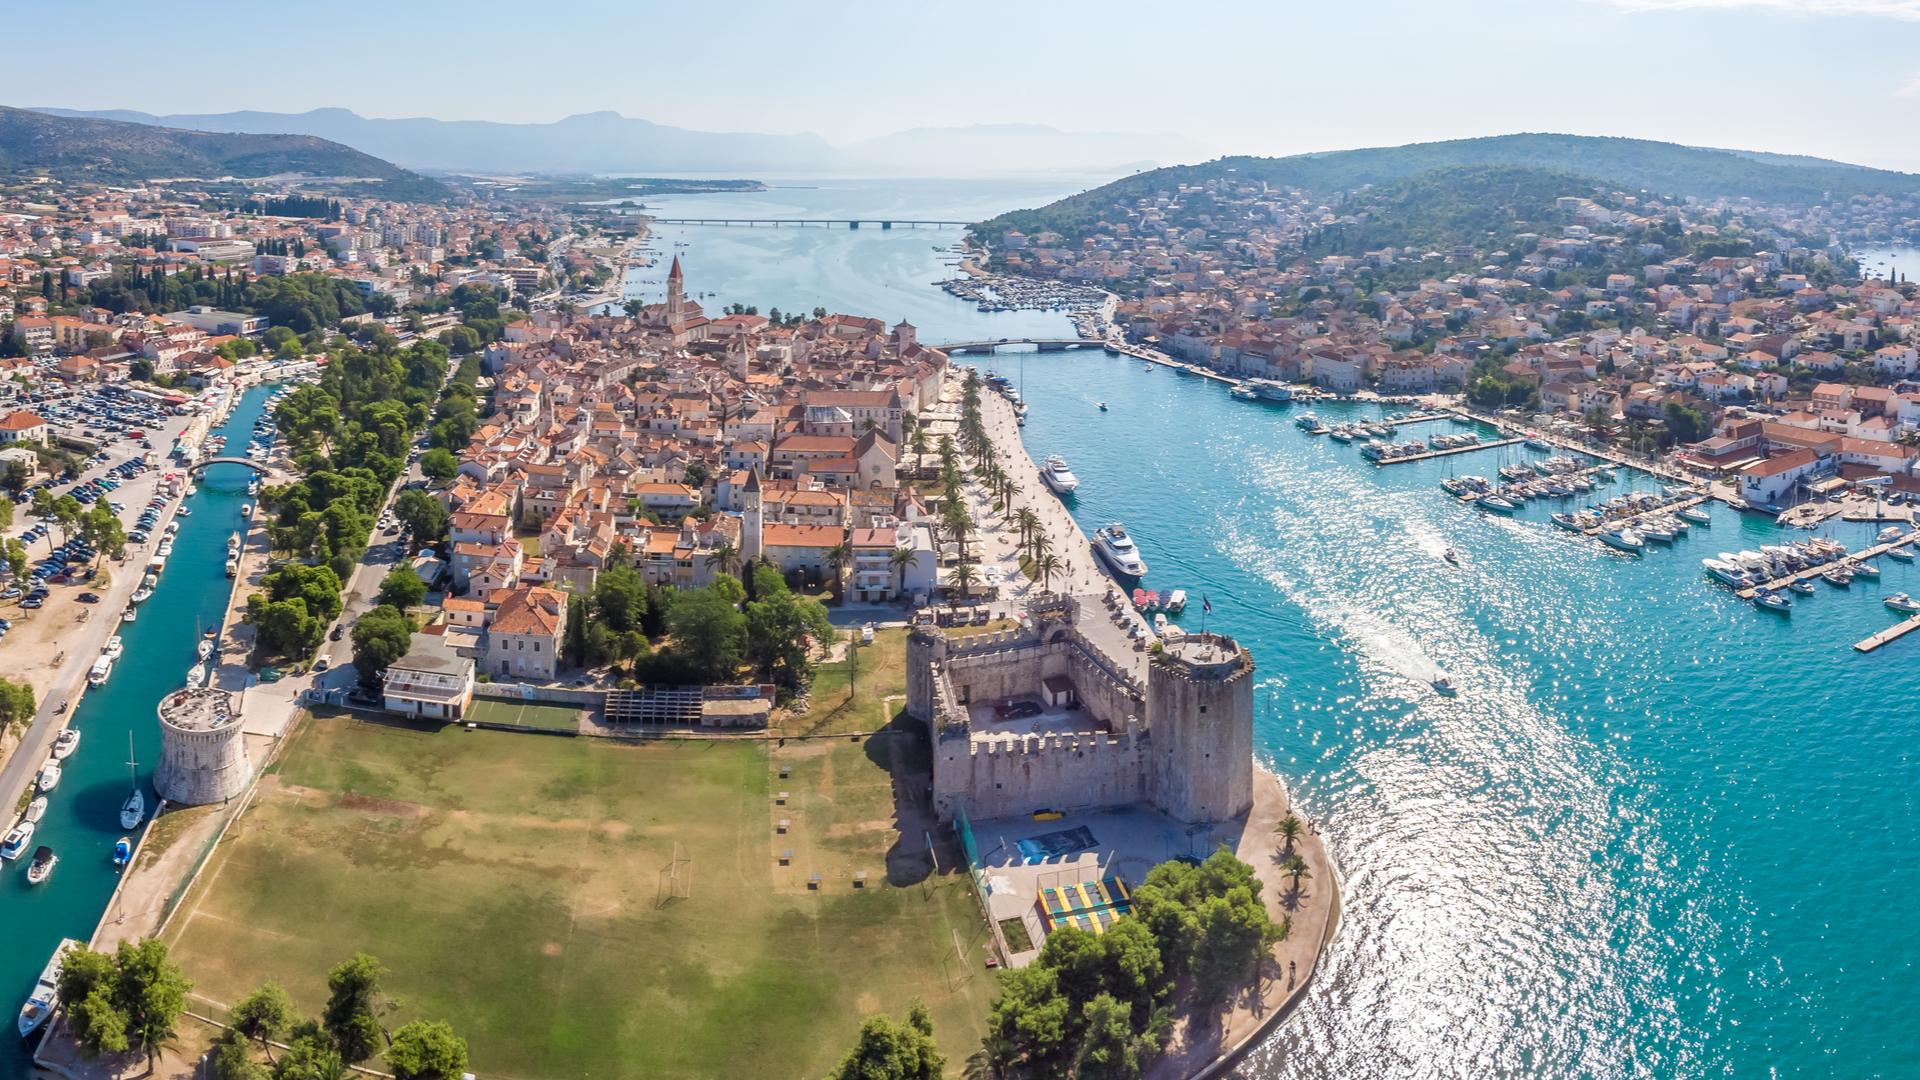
963,578
1047,566
838,556
724,559
1296,868
900,558
1041,546
1027,521
1289,828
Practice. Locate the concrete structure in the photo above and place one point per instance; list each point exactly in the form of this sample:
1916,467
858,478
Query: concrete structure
432,681
203,756
1041,718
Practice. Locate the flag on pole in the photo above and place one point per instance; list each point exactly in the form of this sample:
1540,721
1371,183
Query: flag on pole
1205,604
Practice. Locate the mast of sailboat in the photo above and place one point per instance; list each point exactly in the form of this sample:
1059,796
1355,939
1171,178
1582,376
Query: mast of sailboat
133,767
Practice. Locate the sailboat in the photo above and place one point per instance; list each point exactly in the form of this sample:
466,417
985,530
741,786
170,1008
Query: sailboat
134,810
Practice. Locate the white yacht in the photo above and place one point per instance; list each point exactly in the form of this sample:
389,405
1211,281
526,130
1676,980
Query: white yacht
1117,548
17,840
1058,476
1624,539
46,993
36,809
205,648
102,668
49,777
65,743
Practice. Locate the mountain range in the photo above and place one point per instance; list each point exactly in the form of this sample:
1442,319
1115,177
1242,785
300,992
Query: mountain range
112,151
606,142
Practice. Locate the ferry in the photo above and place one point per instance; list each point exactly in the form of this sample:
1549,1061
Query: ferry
65,743
102,668
17,840
1058,477
42,866
46,993
1117,549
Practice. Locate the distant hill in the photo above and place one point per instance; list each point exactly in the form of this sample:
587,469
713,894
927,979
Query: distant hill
115,151
1630,164
606,142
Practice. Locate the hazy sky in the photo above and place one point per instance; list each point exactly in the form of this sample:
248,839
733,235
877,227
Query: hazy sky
1838,78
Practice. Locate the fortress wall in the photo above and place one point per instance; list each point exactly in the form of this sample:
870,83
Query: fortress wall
1015,776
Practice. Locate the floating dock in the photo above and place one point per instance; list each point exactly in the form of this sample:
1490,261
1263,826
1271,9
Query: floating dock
1891,633
1854,559
1431,454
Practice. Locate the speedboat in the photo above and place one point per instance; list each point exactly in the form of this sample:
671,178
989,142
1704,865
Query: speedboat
129,614
36,809
122,852
46,993
17,840
1058,477
1103,406
41,868
49,777
1451,556
65,743
1624,539
1696,515
1444,686
1773,600
1724,572
140,595
113,648
1114,546
1902,602
102,668
1801,586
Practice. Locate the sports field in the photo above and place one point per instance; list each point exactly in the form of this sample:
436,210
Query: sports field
523,889
533,714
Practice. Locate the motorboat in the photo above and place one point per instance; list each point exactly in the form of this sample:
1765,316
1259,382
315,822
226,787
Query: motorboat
1902,602
17,839
1444,686
1451,556
41,868
1624,539
1724,572
1866,570
48,779
1773,600
1306,421
122,852
1696,515
1057,476
1565,521
36,809
1837,577
233,567
1103,406
1891,533
1538,443
65,743
113,648
1657,530
1496,503
102,668
1114,546
45,996
1175,601
197,676
1269,390
141,595
129,614
1801,586
1243,392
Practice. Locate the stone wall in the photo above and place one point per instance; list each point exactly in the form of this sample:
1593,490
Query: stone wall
1016,775
1201,718
201,765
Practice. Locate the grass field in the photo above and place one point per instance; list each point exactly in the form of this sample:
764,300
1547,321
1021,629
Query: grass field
841,703
533,714
514,887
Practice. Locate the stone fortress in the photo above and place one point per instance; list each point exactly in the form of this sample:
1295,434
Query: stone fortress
1046,717
203,751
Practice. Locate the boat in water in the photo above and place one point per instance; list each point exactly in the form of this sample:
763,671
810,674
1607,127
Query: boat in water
205,648
134,810
65,743
41,868
1773,600
1496,503
102,668
1623,539
1801,586
1117,550
15,843
1242,392
36,810
48,779
1901,602
197,676
1866,570
45,996
1103,406
1444,686
1696,515
113,648
1056,475
1837,577
122,852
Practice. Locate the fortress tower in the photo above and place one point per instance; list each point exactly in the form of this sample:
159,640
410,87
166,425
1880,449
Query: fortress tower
203,755
1200,715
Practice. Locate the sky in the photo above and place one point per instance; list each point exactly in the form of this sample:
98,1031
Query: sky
1834,78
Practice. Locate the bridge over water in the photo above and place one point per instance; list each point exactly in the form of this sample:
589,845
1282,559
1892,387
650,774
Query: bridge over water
825,223
1044,344
266,471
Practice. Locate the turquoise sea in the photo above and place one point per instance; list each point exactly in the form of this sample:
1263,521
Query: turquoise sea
83,816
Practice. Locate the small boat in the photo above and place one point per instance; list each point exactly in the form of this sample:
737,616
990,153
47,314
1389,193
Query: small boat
16,841
1451,556
122,852
1175,601
65,743
1773,600
197,676
1565,521
134,810
185,511
1538,443
1444,686
128,615
1496,504
1624,539
1866,570
1902,602
1103,406
1891,533
42,866
113,648
142,594
36,809
205,648
1801,586
48,779
102,668
46,993
233,567
1837,577
1696,515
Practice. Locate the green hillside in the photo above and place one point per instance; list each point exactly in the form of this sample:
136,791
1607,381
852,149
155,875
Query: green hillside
1631,164
111,151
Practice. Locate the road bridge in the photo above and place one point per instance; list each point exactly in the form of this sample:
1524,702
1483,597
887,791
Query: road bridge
266,471
1044,344
825,223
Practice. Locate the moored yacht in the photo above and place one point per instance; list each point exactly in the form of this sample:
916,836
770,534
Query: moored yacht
1624,539
1117,549
1057,476
65,743
17,840
48,778
46,993
1773,600
102,668
1902,602
42,866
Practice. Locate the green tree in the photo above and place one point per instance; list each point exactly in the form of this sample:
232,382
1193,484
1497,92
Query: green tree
1108,1048
709,632
151,990
354,1006
620,596
265,1014
784,629
422,514
17,558
439,465
99,1024
1289,829
427,1050
1028,1022
380,637
402,588
889,1050
17,705
310,1055
234,1061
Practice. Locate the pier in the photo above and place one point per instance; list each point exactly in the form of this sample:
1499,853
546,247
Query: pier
1669,507
1854,559
1890,634
1447,452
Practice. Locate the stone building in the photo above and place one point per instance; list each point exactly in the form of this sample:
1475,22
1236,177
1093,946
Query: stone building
203,754
1045,719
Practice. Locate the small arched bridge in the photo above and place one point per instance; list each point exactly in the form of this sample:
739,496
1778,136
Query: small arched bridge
1044,344
266,471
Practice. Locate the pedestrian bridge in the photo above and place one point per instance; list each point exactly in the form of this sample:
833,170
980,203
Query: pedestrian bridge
266,471
1044,344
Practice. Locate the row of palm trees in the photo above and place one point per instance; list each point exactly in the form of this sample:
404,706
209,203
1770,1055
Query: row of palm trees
1289,829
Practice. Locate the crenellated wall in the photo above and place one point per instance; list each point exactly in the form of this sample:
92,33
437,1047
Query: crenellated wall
1016,775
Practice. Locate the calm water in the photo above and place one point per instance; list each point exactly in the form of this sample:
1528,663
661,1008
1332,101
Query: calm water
1657,833
886,274
1876,260
83,818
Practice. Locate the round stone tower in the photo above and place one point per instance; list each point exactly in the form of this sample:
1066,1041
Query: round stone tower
1200,728
203,756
